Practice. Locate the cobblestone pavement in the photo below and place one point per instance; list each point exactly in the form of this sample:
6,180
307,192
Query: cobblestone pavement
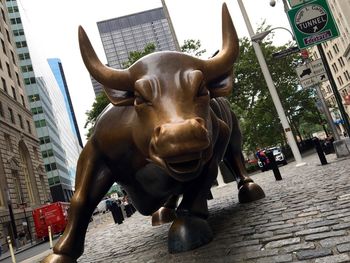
304,218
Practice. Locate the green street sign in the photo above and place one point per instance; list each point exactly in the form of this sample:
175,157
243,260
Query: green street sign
312,23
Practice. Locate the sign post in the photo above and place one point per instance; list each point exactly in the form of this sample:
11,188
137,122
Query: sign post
312,23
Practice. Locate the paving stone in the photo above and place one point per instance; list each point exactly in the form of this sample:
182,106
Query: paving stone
297,247
341,226
276,259
322,223
312,231
277,237
334,259
283,242
344,248
325,235
314,253
331,242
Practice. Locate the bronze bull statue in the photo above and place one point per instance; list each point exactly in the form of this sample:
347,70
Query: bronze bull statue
164,136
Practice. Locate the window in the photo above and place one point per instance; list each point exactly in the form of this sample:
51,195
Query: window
3,15
14,93
44,140
24,56
16,20
340,80
335,68
29,127
8,36
35,150
336,49
34,98
17,77
50,167
18,32
3,46
12,118
347,75
8,142
37,110
18,188
23,102
20,121
1,110
341,62
40,123
13,57
20,44
27,68
8,70
4,84
47,153
29,81
329,54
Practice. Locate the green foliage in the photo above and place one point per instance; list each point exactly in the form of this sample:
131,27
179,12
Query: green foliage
136,55
252,102
101,100
192,47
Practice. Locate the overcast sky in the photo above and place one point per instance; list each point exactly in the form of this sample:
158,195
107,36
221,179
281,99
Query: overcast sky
54,26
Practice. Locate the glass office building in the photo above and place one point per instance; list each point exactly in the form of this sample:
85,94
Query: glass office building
59,145
125,34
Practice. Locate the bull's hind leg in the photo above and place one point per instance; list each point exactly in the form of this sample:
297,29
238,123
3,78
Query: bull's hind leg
92,181
166,213
248,190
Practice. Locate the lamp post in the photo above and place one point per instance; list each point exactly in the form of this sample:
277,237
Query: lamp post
275,98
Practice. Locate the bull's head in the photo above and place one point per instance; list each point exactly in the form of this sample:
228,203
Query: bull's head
170,92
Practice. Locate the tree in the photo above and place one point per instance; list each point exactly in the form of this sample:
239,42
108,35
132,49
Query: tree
252,102
101,100
192,47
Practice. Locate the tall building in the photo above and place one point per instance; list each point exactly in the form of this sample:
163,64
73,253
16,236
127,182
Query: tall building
23,182
57,70
125,34
59,145
338,56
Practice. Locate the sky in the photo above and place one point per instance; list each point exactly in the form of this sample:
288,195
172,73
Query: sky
54,28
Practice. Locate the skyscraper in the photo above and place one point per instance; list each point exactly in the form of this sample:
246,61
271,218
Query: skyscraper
23,182
57,70
59,145
125,34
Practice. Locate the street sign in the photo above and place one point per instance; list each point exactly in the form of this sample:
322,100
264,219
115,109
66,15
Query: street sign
312,23
312,73
285,52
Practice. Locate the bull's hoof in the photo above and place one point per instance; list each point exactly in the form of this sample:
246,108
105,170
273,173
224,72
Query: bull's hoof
187,233
163,216
58,258
250,192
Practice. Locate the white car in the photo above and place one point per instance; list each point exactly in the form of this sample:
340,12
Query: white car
279,158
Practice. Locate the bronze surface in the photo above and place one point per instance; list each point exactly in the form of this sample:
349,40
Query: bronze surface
163,137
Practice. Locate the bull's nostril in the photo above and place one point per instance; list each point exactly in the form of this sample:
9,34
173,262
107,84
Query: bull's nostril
157,131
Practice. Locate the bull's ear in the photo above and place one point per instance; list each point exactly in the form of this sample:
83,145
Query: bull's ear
119,98
222,86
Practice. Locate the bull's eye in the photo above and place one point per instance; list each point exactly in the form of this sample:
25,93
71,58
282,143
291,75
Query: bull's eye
202,91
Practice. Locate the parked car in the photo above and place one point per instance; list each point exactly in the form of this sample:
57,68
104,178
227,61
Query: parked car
279,158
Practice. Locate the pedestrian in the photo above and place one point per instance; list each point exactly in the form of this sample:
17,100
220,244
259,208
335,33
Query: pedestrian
22,237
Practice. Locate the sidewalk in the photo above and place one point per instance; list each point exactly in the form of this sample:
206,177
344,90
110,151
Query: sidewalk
304,218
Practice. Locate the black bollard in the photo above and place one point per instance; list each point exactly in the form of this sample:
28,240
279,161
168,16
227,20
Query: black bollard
117,213
274,166
319,150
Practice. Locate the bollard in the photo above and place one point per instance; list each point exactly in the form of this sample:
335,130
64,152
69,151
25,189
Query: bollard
11,249
50,237
274,166
319,150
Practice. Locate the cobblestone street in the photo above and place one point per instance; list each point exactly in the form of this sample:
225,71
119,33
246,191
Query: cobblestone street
304,218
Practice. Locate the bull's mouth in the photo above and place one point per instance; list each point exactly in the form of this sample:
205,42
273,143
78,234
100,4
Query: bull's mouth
186,164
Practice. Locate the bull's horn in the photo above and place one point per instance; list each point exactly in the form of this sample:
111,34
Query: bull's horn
223,61
109,77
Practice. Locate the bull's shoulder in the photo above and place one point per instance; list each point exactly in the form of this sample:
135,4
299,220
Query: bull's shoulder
221,107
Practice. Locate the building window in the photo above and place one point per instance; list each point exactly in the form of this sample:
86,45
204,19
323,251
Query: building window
24,56
18,32
20,44
13,57
8,70
34,98
27,68
47,153
347,75
12,118
335,48
341,62
8,142
340,80
4,85
14,93
8,36
3,46
40,123
329,54
29,81
335,68
18,187
44,140
20,121
37,110
1,110
3,15
29,127
16,20
50,167
22,99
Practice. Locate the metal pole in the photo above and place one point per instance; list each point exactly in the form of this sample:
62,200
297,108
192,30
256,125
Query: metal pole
327,113
272,89
334,89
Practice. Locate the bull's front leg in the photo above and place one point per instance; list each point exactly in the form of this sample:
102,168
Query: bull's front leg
191,229
166,213
92,181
